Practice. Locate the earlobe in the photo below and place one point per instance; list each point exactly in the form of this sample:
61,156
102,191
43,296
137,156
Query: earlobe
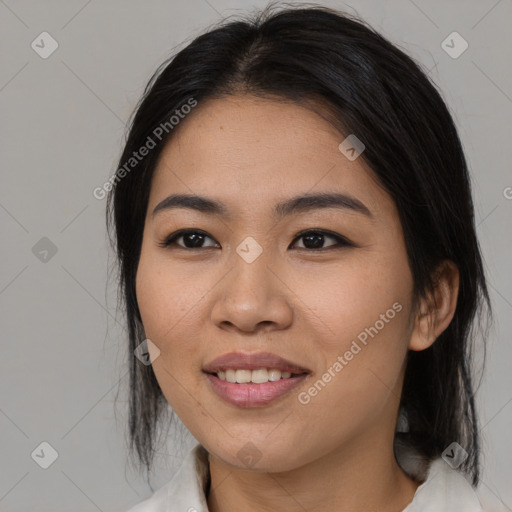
436,312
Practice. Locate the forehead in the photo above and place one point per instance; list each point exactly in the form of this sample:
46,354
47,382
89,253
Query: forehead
252,150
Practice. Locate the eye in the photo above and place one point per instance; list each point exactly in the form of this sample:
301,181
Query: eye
315,238
192,239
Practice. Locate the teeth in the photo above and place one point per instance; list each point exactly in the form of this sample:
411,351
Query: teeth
274,375
243,376
259,376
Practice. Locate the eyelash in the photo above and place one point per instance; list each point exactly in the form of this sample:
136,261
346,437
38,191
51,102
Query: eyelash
341,241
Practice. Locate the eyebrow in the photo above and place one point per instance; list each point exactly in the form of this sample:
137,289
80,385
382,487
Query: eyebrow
299,204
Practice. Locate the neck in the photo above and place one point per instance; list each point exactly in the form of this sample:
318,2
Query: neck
362,477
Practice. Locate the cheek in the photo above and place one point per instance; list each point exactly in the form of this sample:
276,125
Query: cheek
357,294
166,296
172,301
169,304
360,379
364,309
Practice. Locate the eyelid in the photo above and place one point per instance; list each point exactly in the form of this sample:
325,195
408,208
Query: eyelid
341,240
168,240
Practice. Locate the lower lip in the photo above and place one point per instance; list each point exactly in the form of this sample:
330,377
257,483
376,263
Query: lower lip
253,395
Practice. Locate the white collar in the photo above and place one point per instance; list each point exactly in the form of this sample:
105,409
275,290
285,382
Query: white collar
443,489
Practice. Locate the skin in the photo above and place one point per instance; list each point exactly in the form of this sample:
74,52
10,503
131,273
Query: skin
336,452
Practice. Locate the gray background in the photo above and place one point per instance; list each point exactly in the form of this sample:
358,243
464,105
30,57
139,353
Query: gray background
63,119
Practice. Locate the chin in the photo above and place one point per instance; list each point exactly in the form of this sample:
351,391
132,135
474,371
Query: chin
256,455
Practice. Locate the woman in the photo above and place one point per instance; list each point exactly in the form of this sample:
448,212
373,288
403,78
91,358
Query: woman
294,227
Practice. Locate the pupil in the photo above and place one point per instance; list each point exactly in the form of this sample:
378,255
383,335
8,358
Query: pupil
195,238
316,238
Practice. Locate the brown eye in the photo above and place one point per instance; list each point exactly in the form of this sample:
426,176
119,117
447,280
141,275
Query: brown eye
312,239
192,239
315,239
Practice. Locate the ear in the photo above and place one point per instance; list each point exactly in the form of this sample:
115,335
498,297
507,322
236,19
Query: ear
435,313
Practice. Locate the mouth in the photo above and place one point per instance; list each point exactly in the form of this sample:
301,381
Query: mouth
254,361
258,376
253,379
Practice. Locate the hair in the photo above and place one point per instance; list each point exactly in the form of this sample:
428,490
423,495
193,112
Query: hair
336,64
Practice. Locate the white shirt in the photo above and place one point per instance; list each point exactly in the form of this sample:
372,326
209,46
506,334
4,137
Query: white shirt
443,489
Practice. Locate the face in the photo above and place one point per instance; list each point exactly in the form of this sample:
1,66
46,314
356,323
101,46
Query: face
326,286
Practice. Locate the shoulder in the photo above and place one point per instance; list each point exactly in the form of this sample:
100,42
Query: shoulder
155,503
443,488
185,491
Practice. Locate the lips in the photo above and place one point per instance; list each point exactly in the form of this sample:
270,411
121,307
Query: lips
253,361
252,394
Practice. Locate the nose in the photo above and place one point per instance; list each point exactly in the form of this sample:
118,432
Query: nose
253,297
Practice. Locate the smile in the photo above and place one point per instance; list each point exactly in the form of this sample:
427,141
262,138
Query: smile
253,379
252,394
258,376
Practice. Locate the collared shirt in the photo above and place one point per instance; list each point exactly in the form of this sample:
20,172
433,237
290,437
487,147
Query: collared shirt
443,489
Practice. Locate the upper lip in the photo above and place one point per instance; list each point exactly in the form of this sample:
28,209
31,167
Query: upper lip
252,361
